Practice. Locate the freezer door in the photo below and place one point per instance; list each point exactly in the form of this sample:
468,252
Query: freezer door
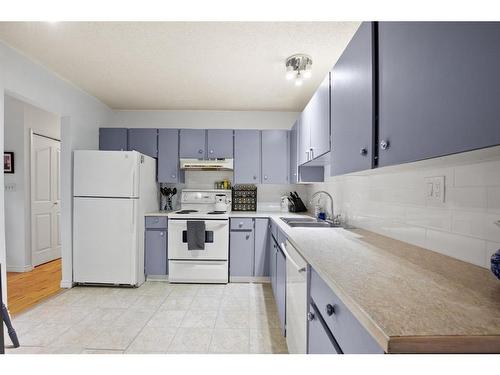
105,241
106,174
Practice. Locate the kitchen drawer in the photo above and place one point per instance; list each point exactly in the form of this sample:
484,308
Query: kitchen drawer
320,339
351,336
239,223
156,222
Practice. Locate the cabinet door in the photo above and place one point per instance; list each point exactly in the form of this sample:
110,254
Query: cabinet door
241,253
156,252
319,118
281,288
304,137
113,139
247,156
320,339
144,141
192,143
275,156
261,257
168,155
293,154
352,105
438,88
220,143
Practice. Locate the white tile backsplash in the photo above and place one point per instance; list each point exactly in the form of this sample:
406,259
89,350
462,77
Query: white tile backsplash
393,202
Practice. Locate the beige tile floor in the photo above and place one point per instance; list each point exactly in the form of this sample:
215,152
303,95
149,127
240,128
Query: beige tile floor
158,317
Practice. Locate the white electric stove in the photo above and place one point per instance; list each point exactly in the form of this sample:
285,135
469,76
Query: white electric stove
209,265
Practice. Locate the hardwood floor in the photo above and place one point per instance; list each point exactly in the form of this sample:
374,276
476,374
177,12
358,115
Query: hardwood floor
26,289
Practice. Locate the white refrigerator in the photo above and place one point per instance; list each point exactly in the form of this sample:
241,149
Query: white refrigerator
112,190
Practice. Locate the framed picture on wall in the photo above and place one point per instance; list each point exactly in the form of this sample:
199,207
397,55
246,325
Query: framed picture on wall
8,162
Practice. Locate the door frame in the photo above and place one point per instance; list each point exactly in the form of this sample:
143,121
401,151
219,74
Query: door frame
29,191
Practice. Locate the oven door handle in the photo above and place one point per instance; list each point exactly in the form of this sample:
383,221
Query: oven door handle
299,268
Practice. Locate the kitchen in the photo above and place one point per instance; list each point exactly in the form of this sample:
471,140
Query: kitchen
293,232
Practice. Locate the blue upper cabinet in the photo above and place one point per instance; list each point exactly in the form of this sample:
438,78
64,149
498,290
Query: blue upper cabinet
314,128
113,139
352,105
220,143
168,156
247,156
275,149
192,144
144,141
438,89
319,115
293,153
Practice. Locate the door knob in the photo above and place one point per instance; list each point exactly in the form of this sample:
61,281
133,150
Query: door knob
363,151
310,316
384,145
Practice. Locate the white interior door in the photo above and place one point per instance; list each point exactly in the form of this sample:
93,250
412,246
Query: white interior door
45,200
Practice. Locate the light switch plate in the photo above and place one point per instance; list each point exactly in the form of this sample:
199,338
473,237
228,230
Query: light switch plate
434,189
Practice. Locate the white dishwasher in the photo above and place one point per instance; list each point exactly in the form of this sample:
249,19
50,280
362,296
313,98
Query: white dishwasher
296,300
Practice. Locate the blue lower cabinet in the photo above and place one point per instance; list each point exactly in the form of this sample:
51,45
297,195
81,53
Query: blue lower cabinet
262,253
241,253
155,247
339,322
319,338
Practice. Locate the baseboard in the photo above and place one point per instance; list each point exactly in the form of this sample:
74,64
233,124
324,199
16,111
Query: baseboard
19,269
157,278
249,279
66,284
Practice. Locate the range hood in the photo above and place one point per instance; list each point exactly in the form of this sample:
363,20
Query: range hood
207,164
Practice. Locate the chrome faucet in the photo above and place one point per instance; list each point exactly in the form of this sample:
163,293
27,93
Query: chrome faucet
331,201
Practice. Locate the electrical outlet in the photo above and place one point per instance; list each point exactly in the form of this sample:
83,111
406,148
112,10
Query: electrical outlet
10,187
434,189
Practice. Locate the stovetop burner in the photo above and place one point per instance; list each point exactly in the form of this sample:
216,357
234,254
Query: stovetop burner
185,212
216,212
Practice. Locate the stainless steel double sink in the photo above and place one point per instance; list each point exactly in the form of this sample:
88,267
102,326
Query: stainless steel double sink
305,222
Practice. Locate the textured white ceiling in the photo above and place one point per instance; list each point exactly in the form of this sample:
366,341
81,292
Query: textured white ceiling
184,65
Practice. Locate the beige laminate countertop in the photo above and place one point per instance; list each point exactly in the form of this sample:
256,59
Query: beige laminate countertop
410,299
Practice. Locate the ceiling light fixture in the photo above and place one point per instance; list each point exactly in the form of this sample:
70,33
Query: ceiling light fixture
298,66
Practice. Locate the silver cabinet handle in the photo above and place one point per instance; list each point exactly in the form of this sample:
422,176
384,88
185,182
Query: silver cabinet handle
200,151
240,224
211,151
363,151
162,234
173,175
254,177
288,257
384,145
312,153
265,177
310,316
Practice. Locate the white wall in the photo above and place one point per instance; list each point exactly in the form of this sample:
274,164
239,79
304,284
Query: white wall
204,119
392,201
81,115
20,118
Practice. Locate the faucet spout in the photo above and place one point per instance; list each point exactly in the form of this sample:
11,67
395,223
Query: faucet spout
329,196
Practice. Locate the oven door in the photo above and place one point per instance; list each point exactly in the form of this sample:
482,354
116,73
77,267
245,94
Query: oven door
216,241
